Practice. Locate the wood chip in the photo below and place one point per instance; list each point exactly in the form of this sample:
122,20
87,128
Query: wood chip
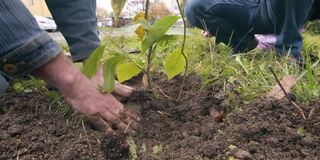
288,82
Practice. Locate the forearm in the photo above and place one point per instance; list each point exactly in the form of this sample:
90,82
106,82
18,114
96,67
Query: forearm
61,73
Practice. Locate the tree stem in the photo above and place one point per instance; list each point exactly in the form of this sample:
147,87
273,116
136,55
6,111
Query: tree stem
182,49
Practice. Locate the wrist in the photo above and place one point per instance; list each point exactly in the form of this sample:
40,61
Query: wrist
61,73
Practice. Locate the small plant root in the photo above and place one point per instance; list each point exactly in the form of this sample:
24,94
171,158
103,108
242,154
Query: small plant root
162,92
287,95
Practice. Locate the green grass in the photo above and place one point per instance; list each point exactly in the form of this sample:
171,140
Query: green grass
248,72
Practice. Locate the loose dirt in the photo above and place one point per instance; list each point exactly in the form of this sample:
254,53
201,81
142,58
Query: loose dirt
187,130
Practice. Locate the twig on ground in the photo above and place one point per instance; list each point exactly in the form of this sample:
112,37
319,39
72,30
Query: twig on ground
18,154
125,131
286,94
86,134
311,113
157,87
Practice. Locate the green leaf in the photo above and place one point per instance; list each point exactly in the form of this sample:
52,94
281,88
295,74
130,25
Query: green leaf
174,63
90,68
301,131
109,69
166,40
238,59
144,23
18,87
132,148
157,31
126,71
117,6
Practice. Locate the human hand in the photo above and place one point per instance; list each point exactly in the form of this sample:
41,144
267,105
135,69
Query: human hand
103,110
206,34
119,88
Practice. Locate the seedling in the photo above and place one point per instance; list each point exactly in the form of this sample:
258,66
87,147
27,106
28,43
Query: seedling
125,67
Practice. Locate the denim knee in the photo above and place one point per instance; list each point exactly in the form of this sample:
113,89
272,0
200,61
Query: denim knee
195,12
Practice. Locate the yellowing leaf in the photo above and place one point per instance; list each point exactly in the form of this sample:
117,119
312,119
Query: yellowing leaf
109,69
174,63
91,66
140,31
138,17
301,131
126,71
157,31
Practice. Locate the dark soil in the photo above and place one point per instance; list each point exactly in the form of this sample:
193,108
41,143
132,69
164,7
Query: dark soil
264,129
187,130
29,130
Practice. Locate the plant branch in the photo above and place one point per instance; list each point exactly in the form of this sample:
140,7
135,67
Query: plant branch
146,12
149,65
287,95
182,49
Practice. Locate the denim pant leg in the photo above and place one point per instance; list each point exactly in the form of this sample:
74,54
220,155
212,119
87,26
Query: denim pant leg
23,45
76,20
3,84
229,20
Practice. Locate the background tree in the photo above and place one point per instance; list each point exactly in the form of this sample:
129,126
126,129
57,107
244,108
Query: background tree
101,14
158,10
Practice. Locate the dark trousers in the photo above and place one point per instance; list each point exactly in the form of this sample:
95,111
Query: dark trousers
233,22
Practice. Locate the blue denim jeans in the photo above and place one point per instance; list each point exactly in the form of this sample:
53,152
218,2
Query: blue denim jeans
235,22
25,47
232,22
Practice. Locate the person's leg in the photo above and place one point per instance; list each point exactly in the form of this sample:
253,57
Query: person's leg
23,45
229,21
3,84
76,20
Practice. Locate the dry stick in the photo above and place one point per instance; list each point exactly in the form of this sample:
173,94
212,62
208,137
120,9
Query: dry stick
182,50
125,131
158,87
85,133
286,94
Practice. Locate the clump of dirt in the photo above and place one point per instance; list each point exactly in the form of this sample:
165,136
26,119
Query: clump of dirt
115,147
28,130
264,129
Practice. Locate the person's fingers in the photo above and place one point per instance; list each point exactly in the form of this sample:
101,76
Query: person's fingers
101,124
116,122
123,90
132,123
114,105
132,115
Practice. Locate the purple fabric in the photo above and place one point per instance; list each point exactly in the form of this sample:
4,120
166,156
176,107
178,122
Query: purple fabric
266,41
